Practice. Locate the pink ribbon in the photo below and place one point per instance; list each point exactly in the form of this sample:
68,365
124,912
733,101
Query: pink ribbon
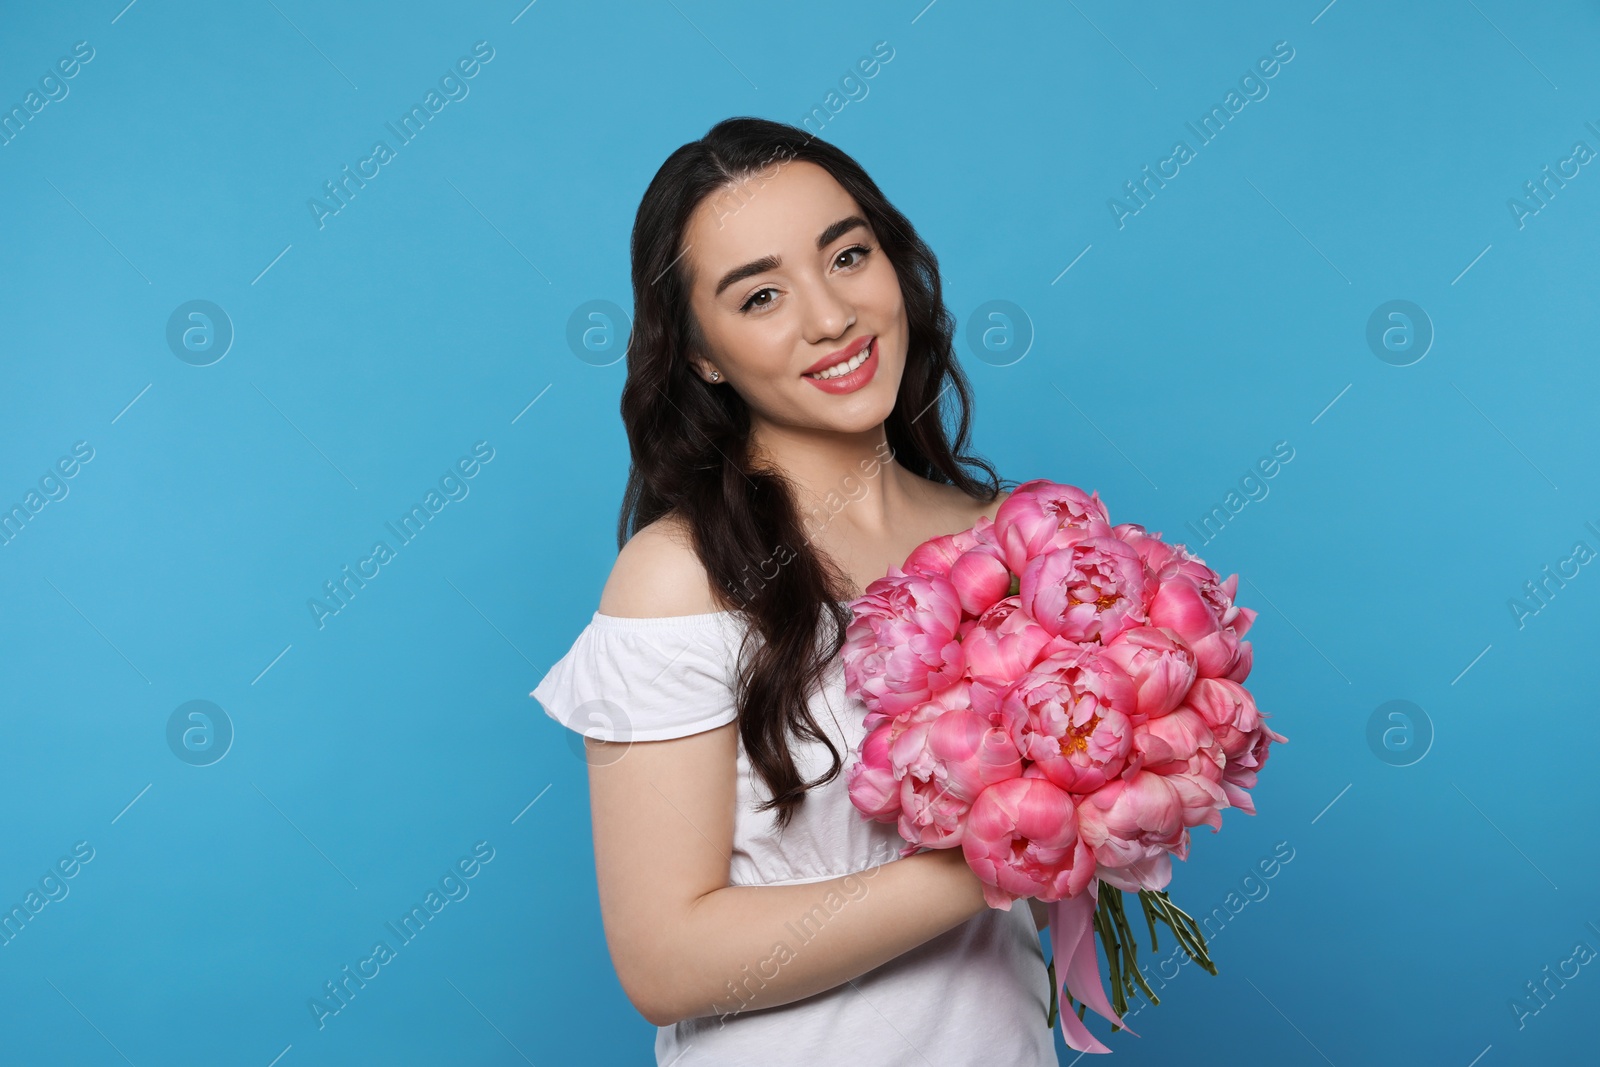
1072,941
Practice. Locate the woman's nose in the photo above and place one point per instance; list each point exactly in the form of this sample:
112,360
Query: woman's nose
827,313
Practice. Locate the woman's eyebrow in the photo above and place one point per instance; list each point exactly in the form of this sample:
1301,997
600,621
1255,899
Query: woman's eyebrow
832,233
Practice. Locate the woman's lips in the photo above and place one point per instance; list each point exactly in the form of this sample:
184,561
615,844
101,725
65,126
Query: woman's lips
843,355
849,383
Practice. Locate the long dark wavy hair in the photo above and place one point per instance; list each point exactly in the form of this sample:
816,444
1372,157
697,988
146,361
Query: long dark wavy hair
690,448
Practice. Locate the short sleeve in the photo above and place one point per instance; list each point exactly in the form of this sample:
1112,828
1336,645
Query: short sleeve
627,679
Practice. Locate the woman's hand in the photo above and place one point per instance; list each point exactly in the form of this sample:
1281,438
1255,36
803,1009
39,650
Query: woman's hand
955,865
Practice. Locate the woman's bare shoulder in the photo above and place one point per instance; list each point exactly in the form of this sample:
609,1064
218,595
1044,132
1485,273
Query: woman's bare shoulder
993,506
658,574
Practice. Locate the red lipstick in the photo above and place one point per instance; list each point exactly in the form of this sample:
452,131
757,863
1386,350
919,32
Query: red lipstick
854,379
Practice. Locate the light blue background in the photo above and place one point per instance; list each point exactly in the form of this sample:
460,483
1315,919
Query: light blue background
1230,313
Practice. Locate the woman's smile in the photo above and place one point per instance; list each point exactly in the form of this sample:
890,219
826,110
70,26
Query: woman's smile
853,367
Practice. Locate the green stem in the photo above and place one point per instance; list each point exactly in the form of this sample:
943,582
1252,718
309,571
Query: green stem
1131,971
1122,949
1150,920
1193,929
1176,925
1184,928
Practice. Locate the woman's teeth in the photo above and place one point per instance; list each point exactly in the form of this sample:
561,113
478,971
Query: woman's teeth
846,367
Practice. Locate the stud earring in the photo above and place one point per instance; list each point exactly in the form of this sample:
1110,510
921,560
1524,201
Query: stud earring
715,375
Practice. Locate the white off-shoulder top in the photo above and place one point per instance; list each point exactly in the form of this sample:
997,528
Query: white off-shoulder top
975,994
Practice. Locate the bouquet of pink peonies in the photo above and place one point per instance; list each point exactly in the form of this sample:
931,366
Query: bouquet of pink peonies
1061,699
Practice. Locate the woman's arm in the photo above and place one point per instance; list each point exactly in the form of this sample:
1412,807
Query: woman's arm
685,943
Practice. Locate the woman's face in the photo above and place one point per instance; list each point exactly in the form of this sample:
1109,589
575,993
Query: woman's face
787,274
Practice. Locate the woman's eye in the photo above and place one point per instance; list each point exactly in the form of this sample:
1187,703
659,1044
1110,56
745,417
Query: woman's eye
849,258
754,301
858,251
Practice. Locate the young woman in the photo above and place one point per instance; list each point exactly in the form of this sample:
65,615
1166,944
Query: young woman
787,369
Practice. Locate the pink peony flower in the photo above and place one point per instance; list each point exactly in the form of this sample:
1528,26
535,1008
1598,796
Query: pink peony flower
1154,873
1171,744
943,758
876,780
1160,558
1000,646
900,645
1068,715
934,558
980,578
1203,799
1161,668
1022,841
1181,748
1042,516
1239,775
1166,562
1241,732
1227,707
1192,612
972,752
1077,729
957,695
1089,591
931,815
1131,821
873,787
